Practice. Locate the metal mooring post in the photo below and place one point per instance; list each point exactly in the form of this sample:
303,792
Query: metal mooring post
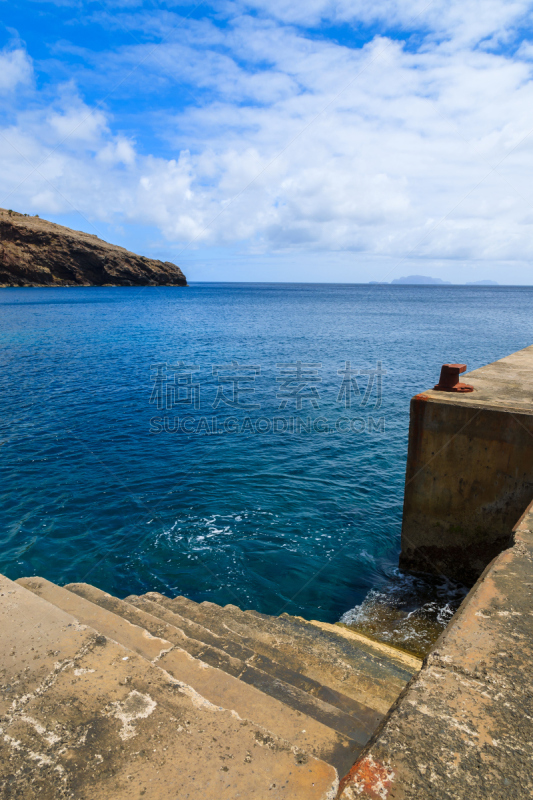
449,379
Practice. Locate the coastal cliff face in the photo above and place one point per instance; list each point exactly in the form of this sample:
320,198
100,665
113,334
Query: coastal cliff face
34,252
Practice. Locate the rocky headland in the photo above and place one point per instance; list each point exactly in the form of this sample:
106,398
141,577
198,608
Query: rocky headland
35,252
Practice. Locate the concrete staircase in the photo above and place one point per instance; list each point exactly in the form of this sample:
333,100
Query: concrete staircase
152,697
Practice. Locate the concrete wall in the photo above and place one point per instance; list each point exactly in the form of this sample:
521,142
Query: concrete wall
463,727
469,469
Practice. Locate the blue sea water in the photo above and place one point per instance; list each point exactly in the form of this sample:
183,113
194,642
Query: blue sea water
101,485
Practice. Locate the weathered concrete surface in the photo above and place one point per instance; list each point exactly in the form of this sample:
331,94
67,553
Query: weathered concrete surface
463,728
292,688
469,469
352,731
354,675
82,717
114,627
160,643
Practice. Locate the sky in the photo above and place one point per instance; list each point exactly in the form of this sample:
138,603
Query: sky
250,140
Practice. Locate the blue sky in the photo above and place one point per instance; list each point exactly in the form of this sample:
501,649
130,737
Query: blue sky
246,140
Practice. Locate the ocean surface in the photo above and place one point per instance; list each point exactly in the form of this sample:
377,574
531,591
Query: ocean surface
239,443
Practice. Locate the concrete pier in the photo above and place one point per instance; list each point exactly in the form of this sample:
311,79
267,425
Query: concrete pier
469,469
462,728
162,698
148,696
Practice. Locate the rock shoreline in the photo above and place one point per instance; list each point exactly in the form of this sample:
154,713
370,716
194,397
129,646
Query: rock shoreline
35,252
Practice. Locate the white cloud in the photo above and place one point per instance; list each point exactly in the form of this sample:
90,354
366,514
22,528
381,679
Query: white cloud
298,145
15,69
465,21
119,151
77,123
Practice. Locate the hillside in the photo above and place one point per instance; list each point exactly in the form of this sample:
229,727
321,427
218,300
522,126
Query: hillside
35,252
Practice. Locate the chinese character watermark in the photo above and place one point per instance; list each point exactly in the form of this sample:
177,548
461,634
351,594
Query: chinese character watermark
178,386
225,375
178,390
295,383
349,385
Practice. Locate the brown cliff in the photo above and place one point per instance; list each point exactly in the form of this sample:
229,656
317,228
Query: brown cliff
35,252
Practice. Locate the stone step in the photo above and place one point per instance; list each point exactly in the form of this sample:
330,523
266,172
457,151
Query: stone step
84,717
357,728
351,718
161,643
368,672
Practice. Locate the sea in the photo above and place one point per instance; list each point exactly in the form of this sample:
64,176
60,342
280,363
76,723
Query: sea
231,442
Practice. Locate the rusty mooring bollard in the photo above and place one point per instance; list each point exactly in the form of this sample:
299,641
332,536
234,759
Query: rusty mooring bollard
449,379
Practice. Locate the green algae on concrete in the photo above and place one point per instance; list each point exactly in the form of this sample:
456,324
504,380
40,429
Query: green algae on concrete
409,613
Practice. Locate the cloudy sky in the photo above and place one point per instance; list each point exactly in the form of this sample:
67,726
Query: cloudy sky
283,140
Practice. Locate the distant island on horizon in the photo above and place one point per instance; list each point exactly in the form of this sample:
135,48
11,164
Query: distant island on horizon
425,280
